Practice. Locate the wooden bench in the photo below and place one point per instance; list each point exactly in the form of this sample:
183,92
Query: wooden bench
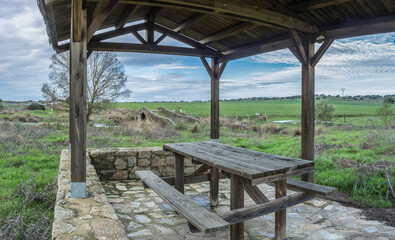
310,187
200,218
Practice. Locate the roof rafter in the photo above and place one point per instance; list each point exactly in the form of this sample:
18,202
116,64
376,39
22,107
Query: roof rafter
101,16
189,22
128,11
228,32
315,4
246,12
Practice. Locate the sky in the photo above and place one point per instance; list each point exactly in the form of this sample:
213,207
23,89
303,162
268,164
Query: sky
363,65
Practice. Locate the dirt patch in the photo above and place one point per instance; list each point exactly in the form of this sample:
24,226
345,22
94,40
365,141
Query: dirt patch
386,215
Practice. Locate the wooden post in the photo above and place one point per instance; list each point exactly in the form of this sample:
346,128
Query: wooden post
78,81
236,201
214,99
214,186
281,215
308,104
179,172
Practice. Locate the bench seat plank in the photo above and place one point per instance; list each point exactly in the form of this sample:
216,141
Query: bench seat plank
199,217
310,187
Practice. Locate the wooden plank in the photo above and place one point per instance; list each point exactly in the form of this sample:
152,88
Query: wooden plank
214,113
310,187
236,202
147,48
229,31
119,32
255,194
189,22
254,211
179,172
295,53
214,187
321,51
222,69
254,158
99,19
280,224
150,21
128,11
199,217
308,106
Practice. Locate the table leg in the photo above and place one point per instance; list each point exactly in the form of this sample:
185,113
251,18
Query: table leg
214,184
236,201
179,172
281,216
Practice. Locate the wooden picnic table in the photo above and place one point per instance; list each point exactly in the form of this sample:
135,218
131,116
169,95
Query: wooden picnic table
246,169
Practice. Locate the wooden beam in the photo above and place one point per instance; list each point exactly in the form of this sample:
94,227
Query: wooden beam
157,41
239,11
255,194
119,32
128,11
101,17
254,211
310,187
52,26
177,36
236,202
189,22
214,114
147,48
179,172
214,186
295,53
228,32
280,224
315,4
202,169
208,68
321,51
369,26
78,83
150,21
139,37
308,105
257,48
192,179
300,51
222,69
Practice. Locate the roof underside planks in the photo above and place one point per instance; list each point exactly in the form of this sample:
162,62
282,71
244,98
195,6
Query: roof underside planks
232,29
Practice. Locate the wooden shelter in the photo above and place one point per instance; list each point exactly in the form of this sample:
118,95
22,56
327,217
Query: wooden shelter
223,30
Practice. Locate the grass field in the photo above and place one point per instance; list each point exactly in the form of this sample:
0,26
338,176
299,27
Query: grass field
284,108
349,155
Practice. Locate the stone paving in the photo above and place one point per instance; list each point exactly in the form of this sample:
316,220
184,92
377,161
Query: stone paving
146,216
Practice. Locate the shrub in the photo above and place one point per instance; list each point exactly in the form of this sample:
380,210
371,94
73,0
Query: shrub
270,128
295,131
36,106
324,111
255,128
194,128
385,112
1,107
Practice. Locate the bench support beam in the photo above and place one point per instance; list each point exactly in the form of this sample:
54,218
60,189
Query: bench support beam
214,186
179,173
281,215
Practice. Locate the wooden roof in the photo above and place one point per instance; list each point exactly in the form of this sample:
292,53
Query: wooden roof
229,29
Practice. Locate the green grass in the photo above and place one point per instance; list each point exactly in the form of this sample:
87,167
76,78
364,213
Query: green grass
285,108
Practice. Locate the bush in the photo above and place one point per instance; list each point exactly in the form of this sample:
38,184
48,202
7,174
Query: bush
385,112
1,106
270,128
324,111
36,106
195,128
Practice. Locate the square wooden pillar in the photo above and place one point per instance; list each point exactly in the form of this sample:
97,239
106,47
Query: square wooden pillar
78,82
308,104
214,120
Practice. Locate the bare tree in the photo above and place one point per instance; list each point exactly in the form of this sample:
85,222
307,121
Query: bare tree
106,80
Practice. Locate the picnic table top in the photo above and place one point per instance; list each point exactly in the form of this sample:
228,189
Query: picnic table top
243,162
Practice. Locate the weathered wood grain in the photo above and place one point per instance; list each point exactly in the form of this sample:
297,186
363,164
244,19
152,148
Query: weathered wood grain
199,217
236,202
310,187
179,172
280,225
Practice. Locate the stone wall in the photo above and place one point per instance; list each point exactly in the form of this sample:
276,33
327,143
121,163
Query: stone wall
87,218
122,163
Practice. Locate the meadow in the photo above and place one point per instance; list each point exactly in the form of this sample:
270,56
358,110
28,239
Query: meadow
354,153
